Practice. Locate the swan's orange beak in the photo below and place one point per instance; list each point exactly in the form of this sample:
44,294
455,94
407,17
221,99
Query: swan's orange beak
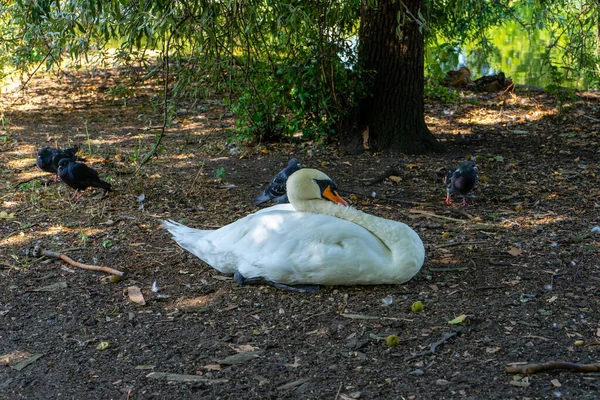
332,195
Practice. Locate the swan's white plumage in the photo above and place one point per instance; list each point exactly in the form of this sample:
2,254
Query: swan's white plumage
330,245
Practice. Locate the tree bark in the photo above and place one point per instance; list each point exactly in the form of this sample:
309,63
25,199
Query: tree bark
392,47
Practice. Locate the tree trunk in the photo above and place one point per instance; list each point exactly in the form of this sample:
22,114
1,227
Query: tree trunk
394,114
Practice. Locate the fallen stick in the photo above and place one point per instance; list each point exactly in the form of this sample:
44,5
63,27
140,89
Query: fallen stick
441,246
38,251
447,336
551,366
432,215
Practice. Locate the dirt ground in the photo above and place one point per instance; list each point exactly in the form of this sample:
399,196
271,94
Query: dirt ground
520,264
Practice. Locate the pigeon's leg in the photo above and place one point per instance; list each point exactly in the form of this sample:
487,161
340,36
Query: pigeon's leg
447,201
77,195
241,280
464,202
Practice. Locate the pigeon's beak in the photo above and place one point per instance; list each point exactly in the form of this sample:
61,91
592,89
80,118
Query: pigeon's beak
333,195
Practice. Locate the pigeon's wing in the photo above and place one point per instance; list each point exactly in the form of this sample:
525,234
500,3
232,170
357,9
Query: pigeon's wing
281,199
451,178
82,173
88,176
277,187
263,198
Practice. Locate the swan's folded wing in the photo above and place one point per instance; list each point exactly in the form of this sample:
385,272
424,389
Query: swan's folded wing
292,248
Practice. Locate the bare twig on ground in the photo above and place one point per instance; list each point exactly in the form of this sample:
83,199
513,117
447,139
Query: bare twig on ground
337,395
447,336
458,244
488,287
448,269
384,198
432,215
38,251
389,172
368,317
551,366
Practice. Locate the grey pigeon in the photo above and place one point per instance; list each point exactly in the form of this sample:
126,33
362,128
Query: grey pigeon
461,179
79,176
276,190
48,157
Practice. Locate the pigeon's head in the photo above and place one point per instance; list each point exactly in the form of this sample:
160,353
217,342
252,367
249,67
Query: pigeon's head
43,151
294,163
467,167
64,163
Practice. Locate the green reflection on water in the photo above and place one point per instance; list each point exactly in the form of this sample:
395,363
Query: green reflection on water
520,54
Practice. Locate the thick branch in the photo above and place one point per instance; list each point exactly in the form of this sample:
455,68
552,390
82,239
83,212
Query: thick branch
551,366
38,251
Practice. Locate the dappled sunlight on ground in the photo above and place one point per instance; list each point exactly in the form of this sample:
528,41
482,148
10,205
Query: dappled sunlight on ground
528,223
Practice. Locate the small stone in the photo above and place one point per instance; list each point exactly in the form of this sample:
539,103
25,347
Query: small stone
242,340
417,372
442,382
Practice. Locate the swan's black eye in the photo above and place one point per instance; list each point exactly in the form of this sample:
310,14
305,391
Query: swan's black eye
324,184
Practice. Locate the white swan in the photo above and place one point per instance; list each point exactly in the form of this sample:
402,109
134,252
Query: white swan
313,240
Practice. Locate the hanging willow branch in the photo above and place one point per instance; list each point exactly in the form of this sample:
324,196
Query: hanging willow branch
163,128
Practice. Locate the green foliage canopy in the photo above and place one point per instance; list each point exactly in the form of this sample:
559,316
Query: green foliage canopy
284,66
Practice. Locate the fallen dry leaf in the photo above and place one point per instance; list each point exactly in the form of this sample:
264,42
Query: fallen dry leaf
14,357
212,367
514,251
5,215
243,348
135,295
192,304
555,383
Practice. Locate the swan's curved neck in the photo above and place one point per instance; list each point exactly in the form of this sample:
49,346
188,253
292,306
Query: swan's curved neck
407,252
379,227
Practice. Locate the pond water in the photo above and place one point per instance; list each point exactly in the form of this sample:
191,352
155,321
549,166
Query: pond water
519,54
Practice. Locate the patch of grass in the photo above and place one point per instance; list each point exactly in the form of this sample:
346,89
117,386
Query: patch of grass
89,142
84,238
220,173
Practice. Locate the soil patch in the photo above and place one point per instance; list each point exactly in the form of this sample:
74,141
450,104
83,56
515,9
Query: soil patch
521,262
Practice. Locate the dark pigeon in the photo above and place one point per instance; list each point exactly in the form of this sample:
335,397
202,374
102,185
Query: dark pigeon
48,157
79,176
461,179
276,190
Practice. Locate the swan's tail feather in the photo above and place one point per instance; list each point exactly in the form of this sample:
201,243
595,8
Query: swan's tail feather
185,236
